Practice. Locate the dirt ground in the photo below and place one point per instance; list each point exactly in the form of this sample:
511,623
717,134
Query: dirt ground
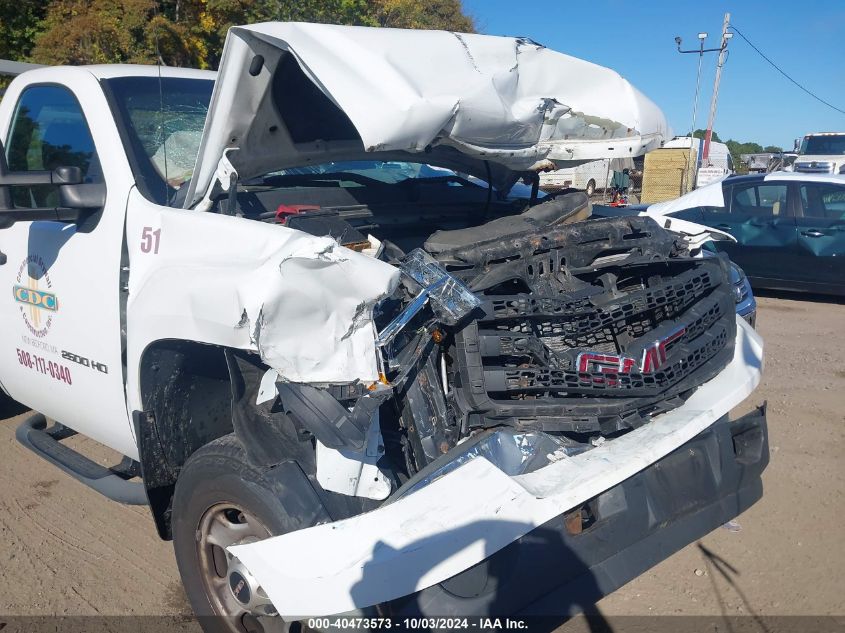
66,550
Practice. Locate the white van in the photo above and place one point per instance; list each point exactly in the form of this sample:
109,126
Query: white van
588,177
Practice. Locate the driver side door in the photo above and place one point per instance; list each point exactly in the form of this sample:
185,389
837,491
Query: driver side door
60,344
821,235
759,215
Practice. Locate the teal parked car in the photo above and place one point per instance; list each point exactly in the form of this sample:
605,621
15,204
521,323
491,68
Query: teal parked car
789,227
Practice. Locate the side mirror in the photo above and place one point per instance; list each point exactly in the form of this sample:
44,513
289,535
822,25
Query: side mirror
77,199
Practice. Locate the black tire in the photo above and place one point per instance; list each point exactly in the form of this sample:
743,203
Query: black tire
591,187
219,474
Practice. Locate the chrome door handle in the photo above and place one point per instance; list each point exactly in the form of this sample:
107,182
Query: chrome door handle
812,233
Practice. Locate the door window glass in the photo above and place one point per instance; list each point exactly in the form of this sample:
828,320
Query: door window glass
821,200
767,200
49,131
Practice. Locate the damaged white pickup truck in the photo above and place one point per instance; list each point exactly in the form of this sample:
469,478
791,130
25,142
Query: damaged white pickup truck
349,367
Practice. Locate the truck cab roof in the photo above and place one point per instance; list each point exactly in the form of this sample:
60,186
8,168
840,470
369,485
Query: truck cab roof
111,71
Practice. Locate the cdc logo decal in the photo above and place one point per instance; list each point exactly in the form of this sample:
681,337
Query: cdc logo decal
36,298
34,293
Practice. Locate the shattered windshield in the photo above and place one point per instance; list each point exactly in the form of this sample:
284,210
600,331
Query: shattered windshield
162,121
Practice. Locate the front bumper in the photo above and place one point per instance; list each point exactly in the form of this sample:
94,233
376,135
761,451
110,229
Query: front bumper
552,571
466,516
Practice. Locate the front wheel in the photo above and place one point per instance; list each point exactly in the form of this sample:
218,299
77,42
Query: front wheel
220,500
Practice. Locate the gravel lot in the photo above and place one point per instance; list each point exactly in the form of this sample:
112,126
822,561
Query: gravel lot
68,551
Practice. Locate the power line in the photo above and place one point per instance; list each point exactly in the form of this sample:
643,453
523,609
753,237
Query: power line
777,68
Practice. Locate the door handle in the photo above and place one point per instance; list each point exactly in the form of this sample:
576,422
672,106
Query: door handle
724,227
812,233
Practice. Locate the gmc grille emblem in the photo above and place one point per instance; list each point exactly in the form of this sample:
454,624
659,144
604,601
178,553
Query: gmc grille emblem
653,358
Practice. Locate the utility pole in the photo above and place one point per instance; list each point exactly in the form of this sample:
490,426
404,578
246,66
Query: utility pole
722,54
689,172
686,184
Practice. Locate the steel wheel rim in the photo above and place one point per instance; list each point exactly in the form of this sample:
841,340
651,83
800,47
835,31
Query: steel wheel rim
222,525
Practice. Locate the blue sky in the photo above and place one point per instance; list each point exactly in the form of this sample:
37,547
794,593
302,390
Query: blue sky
806,38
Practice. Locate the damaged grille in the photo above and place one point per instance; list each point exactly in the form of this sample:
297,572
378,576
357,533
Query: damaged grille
588,327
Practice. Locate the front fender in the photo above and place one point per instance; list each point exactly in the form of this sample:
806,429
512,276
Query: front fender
302,302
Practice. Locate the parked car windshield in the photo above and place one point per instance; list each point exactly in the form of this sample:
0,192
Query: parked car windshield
823,144
161,121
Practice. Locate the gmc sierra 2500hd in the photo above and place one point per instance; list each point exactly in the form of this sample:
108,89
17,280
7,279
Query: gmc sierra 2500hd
350,369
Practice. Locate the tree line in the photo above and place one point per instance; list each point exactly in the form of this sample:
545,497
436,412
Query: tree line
737,148
186,32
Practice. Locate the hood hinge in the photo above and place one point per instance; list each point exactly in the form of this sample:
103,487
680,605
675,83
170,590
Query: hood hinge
225,174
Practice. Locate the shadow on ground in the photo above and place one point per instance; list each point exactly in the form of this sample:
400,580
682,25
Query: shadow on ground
9,408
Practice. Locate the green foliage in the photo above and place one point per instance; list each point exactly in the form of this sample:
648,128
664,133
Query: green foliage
186,32
413,14
113,31
19,24
713,137
736,148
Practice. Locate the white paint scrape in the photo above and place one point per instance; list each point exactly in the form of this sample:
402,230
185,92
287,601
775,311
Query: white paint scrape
472,512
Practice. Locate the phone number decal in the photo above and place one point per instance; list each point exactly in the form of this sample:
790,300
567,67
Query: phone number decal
47,367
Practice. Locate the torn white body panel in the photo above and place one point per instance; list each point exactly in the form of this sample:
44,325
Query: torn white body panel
505,100
354,473
308,310
267,387
473,511
304,303
696,234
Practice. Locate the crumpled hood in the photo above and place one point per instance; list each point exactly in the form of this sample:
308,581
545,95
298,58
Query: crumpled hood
293,94
707,196
697,234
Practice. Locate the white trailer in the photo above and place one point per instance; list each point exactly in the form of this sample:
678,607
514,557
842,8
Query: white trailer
719,164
